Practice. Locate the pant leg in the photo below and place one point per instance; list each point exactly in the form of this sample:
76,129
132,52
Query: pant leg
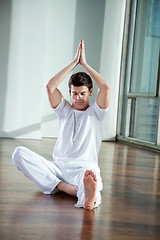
41,171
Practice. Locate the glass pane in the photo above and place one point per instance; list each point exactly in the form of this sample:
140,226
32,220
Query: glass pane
145,120
146,48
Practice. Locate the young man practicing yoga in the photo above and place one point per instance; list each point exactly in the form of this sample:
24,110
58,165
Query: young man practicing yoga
74,169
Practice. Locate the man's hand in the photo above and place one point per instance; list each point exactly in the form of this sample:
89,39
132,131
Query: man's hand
80,56
76,59
83,55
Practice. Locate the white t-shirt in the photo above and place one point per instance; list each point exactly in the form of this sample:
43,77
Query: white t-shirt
80,136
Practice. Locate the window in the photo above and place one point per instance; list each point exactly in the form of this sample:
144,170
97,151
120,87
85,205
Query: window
139,111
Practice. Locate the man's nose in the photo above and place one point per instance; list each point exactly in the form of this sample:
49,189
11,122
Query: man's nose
78,96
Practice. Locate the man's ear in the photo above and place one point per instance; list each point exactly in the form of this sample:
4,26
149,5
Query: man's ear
91,91
70,92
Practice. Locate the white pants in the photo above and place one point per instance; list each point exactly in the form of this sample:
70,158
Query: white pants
47,175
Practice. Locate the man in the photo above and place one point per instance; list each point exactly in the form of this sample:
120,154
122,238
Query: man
75,168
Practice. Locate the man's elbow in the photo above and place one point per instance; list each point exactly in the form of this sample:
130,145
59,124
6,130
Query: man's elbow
49,88
106,88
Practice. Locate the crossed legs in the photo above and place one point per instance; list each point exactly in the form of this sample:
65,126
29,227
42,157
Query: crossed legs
48,177
90,187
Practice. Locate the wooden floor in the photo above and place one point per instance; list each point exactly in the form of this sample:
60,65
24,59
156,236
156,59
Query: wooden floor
130,206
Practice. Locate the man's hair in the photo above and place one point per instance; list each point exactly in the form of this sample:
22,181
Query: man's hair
80,79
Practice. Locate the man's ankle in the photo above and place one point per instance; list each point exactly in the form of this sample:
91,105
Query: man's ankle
60,186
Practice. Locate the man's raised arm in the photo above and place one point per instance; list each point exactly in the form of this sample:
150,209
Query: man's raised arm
54,95
103,98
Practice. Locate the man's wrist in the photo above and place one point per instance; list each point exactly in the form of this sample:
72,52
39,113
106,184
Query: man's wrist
84,65
74,63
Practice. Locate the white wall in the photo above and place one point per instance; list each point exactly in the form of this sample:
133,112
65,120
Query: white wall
22,83
38,39
111,59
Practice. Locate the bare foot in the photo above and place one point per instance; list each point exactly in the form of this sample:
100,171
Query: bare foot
68,188
90,186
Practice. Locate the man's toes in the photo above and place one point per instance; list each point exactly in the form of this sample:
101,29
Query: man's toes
93,175
95,178
87,173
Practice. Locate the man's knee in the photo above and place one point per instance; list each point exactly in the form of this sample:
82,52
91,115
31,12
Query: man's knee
17,154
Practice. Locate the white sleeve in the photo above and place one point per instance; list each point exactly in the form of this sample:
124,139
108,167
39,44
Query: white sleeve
62,108
100,112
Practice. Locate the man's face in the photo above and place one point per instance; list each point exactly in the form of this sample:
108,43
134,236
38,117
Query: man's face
80,97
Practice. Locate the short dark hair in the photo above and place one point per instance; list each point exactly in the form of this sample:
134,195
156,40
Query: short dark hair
80,79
